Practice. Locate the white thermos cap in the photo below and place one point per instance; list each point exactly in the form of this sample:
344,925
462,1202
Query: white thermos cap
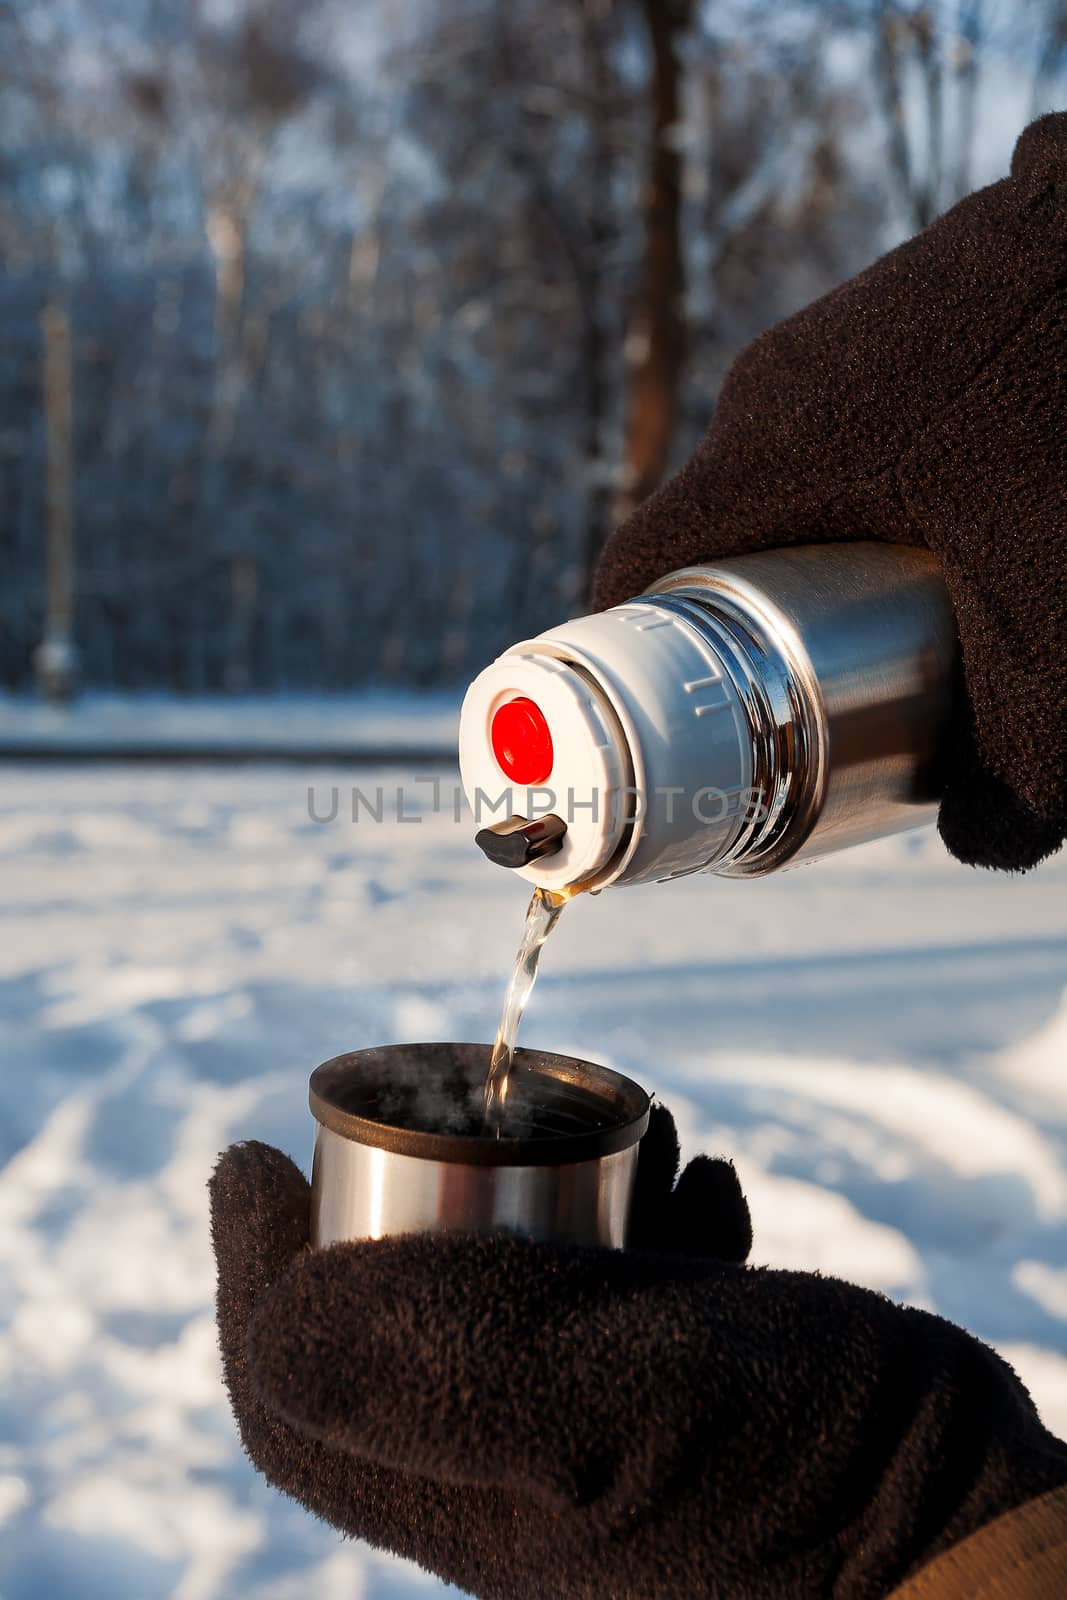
625,724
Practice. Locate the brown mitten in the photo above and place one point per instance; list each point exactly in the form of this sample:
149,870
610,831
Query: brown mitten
536,1421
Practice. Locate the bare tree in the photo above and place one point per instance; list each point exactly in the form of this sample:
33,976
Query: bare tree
657,338
239,87
967,44
1051,56
927,60
56,658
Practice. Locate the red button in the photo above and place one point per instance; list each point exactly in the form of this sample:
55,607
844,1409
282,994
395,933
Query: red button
522,743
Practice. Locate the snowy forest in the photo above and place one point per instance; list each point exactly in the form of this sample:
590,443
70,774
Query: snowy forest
335,337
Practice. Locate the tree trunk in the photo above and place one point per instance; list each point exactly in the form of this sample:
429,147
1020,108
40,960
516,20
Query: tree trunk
55,660
656,343
595,342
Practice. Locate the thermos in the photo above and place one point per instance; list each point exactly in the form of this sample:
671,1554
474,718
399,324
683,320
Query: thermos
736,718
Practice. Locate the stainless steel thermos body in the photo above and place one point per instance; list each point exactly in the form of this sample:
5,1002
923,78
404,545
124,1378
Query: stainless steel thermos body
737,718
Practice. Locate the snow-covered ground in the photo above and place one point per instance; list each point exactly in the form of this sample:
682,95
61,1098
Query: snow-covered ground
879,1040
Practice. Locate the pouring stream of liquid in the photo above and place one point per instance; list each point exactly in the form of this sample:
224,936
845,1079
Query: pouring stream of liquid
542,914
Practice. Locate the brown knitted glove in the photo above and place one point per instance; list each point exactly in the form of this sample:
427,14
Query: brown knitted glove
923,402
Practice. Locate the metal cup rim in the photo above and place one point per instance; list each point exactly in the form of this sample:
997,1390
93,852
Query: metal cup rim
627,1097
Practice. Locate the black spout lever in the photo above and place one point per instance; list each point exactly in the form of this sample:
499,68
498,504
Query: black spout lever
520,840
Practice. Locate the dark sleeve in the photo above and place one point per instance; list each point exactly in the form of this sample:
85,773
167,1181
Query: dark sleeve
1021,1555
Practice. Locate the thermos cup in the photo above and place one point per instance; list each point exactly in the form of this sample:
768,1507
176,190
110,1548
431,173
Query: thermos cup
737,718
401,1146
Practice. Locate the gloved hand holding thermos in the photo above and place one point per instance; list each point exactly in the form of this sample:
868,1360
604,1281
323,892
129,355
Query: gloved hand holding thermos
547,1420
921,404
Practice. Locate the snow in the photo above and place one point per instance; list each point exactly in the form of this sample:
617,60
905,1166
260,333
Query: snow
879,1040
